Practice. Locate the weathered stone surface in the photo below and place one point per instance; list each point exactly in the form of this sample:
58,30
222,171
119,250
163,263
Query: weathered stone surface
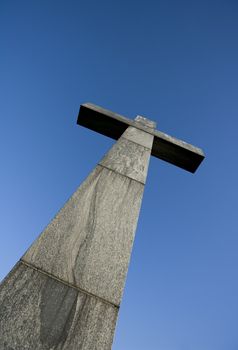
138,136
40,313
147,123
129,159
89,242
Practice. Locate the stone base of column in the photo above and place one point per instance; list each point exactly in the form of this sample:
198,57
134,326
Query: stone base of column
39,312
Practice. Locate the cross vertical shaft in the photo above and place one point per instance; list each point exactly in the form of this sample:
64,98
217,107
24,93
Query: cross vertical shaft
66,290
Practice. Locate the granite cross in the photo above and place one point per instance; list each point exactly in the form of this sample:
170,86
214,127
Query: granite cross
65,291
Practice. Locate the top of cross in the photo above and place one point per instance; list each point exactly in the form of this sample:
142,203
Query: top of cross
165,147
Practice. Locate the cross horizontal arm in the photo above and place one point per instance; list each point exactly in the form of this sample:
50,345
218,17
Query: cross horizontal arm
165,147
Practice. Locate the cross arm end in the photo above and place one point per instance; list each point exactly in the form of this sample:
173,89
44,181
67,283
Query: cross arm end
177,152
102,120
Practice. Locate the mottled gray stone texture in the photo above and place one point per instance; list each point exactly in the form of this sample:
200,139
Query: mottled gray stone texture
138,136
128,157
40,313
89,242
147,123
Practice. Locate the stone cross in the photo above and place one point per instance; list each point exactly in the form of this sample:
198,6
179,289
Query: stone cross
65,292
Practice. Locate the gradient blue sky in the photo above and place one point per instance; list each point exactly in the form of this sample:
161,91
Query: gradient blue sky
174,62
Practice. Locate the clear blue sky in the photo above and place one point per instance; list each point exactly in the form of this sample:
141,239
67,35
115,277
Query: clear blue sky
175,62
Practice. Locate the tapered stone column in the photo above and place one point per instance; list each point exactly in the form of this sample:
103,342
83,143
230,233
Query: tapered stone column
64,294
